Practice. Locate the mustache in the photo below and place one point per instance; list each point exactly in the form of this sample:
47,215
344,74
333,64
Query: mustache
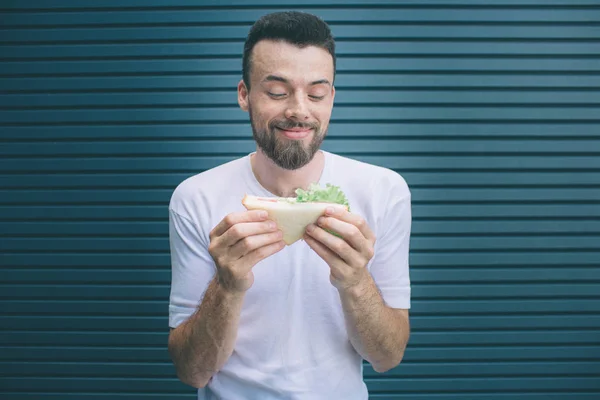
292,125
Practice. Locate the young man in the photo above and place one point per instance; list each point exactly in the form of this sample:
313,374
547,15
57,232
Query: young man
252,318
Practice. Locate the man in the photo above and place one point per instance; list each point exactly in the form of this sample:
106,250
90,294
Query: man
252,318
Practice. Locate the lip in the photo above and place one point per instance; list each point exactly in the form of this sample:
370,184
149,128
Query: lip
295,133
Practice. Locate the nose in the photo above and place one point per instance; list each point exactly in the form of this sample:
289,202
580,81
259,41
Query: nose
297,108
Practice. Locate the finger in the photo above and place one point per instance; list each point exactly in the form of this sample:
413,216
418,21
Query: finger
243,230
353,219
258,254
350,233
236,218
323,251
250,243
337,245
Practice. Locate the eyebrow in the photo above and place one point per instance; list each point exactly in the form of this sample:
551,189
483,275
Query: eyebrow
271,78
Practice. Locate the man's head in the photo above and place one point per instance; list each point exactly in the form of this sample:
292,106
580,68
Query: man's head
287,86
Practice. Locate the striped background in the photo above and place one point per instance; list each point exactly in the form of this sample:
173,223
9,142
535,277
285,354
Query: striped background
489,109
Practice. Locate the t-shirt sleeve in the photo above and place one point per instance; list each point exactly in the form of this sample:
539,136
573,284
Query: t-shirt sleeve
192,268
390,264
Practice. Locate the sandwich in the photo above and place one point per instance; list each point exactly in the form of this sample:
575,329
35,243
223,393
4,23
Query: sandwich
293,214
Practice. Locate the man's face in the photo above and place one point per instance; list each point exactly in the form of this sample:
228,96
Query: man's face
290,101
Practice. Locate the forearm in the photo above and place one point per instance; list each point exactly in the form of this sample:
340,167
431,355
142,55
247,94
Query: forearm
377,332
202,345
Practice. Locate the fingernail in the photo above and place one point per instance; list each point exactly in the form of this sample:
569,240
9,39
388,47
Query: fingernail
310,228
272,225
320,221
262,214
329,210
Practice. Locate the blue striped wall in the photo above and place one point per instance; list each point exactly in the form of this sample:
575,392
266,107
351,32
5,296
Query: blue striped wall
489,109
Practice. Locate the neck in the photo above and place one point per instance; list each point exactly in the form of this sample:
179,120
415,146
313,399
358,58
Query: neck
282,182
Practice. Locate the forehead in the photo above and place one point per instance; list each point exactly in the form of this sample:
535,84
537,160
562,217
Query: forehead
296,64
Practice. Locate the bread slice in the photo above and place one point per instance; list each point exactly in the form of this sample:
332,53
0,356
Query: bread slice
291,217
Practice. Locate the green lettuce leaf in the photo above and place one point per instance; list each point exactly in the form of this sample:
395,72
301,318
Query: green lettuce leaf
328,194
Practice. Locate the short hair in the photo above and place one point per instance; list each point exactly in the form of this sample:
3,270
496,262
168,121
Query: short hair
298,28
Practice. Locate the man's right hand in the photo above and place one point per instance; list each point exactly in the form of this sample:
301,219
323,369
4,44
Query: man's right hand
238,243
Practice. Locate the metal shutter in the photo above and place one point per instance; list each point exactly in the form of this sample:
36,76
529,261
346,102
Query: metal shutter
490,110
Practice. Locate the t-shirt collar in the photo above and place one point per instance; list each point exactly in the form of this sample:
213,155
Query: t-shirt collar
255,188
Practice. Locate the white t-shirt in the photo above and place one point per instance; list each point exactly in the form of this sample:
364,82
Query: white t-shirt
292,342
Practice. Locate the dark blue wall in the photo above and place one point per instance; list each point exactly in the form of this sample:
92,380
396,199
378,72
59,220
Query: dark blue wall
489,109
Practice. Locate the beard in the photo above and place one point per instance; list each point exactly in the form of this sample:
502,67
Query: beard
286,153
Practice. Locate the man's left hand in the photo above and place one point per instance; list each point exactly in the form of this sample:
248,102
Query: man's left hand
347,255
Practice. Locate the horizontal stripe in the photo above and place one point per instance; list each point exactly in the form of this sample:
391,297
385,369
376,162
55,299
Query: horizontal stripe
154,385
87,215
342,33
451,322
142,196
366,145
79,291
461,385
421,395
419,244
230,114
139,291
418,307
343,49
406,369
408,98
214,66
150,385
442,258
515,369
434,80
68,4
520,229
433,354
241,130
402,163
57,395
427,275
515,395
243,16
414,179
61,4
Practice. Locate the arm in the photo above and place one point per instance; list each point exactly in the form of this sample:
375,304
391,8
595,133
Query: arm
202,343
378,333
200,346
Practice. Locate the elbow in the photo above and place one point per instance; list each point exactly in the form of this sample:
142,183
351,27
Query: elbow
380,369
390,362
183,372
394,353
385,366
195,382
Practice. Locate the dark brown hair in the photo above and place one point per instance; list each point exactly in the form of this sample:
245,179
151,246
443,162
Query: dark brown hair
295,27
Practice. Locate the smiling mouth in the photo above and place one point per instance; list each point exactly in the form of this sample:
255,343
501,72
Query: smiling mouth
295,133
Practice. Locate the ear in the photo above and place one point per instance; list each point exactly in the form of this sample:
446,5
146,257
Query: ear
332,93
243,95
